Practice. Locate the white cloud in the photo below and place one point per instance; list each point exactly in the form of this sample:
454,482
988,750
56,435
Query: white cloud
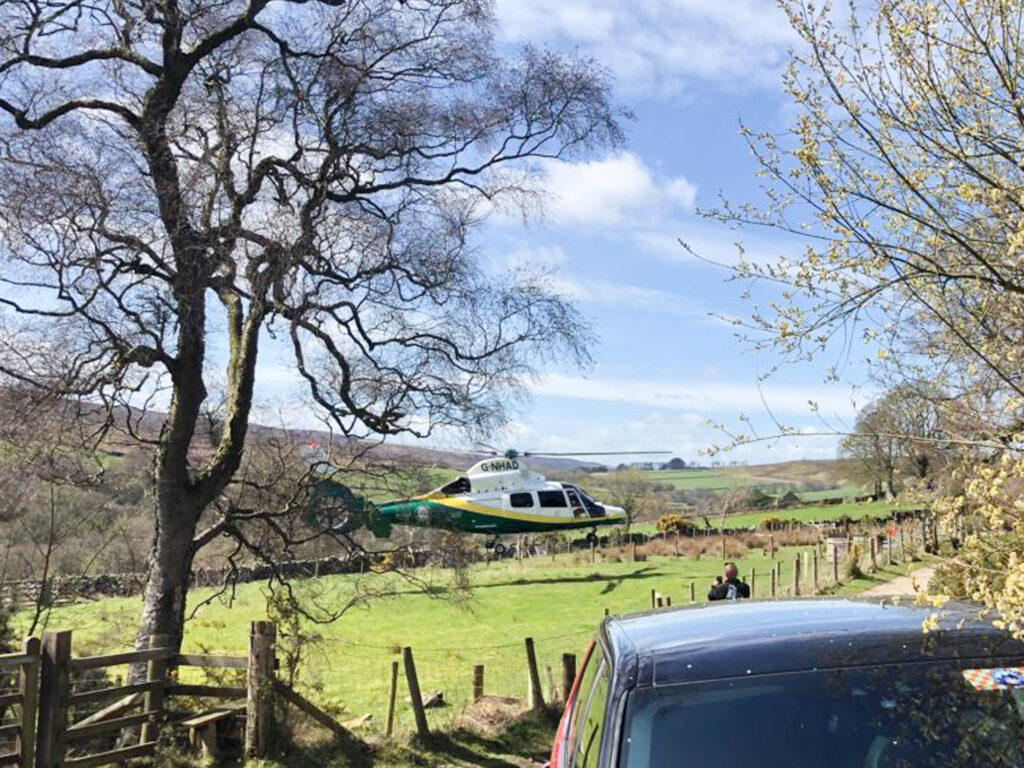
704,397
717,245
685,435
655,46
613,190
607,293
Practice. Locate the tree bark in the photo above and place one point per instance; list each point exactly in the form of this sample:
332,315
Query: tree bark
170,561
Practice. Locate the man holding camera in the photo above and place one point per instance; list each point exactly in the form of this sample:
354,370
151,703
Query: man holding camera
732,588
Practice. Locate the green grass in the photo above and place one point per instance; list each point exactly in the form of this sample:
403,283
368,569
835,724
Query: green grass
872,509
844,491
559,605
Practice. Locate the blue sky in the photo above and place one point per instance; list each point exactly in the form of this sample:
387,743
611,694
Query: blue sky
690,70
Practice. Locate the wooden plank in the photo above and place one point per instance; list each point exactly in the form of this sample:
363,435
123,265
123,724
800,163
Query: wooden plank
113,756
305,705
156,672
116,659
207,660
536,694
17,659
10,699
412,679
259,720
28,686
10,731
113,710
122,690
53,687
77,732
12,758
210,717
206,691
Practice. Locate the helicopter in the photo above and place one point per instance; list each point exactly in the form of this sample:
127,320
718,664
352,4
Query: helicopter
497,495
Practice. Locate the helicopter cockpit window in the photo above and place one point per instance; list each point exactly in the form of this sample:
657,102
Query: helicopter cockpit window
459,485
521,499
551,499
593,508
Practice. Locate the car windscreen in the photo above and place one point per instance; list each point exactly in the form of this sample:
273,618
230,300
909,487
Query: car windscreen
924,714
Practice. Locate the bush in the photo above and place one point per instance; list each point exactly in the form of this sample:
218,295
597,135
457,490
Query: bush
7,640
850,567
673,523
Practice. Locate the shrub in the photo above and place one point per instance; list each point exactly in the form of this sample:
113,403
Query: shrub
850,568
673,523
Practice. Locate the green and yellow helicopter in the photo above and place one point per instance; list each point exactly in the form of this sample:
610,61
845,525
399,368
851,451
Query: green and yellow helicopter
497,495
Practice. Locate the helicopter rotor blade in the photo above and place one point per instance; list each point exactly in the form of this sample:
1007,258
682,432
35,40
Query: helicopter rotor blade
595,453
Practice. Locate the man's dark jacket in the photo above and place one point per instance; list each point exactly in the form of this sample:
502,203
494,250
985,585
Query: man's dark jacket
729,590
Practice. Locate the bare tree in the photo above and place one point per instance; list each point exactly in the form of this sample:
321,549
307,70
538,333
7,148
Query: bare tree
898,437
186,182
630,490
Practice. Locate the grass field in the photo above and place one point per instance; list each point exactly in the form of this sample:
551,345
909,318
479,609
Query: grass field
810,514
833,475
872,509
347,670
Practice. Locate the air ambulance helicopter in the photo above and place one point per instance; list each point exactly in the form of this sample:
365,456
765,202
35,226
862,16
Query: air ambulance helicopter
498,495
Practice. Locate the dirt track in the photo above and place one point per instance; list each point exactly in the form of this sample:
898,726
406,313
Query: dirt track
902,585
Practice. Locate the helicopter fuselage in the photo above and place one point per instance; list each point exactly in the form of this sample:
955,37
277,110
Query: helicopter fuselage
501,496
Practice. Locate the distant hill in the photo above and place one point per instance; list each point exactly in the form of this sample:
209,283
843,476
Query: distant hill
148,424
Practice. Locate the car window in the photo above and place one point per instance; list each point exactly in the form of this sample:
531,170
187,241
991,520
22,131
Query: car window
590,718
521,499
551,498
889,716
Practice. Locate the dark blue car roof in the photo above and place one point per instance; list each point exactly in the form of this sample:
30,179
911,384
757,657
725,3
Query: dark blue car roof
736,638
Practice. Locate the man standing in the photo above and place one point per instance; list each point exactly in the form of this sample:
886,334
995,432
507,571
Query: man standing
730,589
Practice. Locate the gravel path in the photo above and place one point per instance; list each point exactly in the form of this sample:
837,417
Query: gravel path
902,585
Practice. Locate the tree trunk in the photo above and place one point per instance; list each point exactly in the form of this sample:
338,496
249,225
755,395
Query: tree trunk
170,561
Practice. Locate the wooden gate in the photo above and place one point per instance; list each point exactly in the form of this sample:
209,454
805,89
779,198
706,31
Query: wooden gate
19,690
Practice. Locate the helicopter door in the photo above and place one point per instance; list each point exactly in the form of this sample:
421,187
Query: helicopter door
578,509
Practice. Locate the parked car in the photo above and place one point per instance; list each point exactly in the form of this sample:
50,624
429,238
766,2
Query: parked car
796,683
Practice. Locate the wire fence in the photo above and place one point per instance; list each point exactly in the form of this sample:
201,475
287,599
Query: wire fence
352,679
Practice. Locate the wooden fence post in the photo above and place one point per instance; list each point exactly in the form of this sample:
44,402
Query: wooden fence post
771,546
874,552
536,693
156,670
903,545
593,552
414,693
835,565
568,675
796,577
774,580
28,689
53,690
753,582
654,598
478,681
814,570
389,729
259,704
693,592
